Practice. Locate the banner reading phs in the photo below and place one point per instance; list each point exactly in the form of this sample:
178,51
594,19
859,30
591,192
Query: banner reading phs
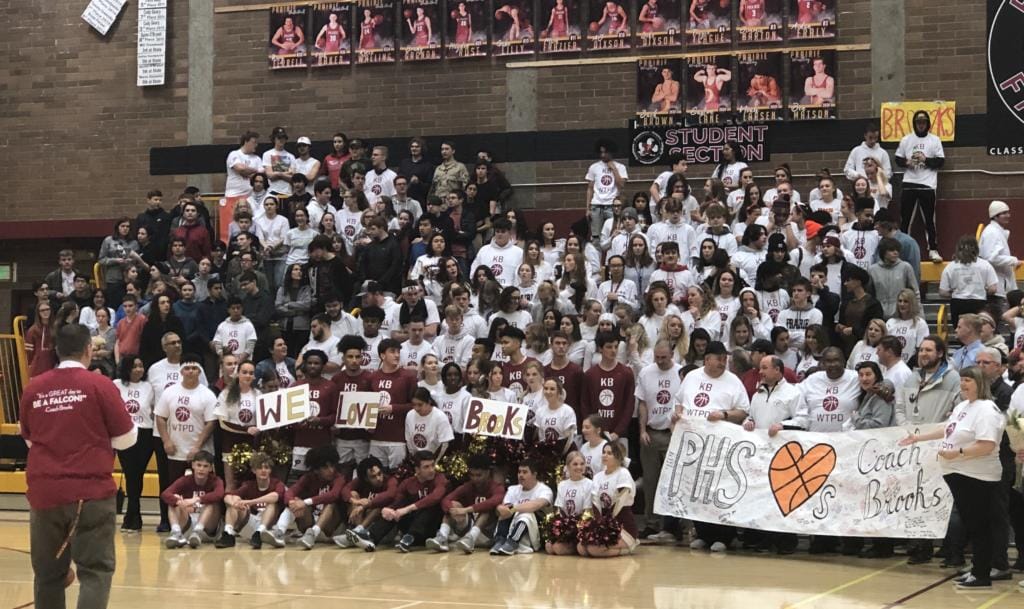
852,484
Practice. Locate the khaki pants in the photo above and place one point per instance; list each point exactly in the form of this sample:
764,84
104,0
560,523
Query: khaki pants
91,548
651,459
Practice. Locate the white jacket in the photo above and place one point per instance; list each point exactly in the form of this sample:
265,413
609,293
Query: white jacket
995,248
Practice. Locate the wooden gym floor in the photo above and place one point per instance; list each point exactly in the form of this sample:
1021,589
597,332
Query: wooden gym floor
151,577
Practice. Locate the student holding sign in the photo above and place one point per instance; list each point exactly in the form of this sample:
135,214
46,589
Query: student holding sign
353,444
396,386
323,404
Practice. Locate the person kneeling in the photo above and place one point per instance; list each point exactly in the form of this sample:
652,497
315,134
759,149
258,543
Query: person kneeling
254,506
518,531
574,495
613,495
194,504
469,509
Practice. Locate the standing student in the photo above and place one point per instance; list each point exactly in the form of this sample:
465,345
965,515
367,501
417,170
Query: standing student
920,153
185,419
137,394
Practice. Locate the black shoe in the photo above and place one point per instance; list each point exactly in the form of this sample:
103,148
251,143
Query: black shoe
919,559
225,541
163,527
949,563
1019,565
256,541
129,526
973,582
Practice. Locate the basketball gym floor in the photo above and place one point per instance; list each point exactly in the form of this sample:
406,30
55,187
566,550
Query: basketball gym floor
151,577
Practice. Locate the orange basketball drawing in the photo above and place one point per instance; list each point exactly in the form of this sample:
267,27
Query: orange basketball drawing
795,475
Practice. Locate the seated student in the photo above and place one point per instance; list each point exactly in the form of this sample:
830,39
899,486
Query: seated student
613,494
416,510
469,509
573,497
312,501
253,506
370,491
426,426
518,531
194,502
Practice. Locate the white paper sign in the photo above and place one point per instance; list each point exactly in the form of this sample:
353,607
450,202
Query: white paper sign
152,43
852,484
358,410
497,419
101,14
283,407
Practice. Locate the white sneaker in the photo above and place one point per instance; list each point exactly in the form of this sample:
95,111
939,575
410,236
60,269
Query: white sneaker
194,540
308,539
719,547
935,256
438,544
174,540
662,537
466,544
342,541
524,549
273,537
698,544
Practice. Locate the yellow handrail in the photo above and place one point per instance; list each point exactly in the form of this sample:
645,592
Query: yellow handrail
977,233
97,275
940,322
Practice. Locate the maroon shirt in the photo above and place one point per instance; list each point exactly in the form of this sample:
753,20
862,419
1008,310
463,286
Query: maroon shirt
378,497
512,375
250,490
344,383
421,494
399,385
312,486
469,495
211,491
323,397
572,380
70,415
610,395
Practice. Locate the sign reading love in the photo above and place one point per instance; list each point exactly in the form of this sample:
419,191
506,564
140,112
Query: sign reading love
796,476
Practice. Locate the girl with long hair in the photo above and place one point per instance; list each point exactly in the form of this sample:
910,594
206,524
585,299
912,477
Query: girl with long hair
575,284
613,495
550,246
866,348
907,323
236,410
430,374
656,307
726,285
761,323
699,341
293,304
138,397
39,341
594,440
815,343
968,280
571,499
570,326
674,332
639,263
534,256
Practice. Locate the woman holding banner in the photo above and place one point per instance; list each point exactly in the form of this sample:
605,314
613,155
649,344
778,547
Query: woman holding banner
970,460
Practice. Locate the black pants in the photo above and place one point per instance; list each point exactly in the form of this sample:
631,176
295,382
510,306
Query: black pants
133,463
711,532
91,547
976,501
1016,505
162,475
963,306
916,196
421,524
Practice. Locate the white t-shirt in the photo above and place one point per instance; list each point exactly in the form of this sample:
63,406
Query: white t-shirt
242,414
910,332
931,146
605,189
699,394
453,405
897,374
304,166
574,496
772,303
592,457
458,349
681,234
968,281
1018,333
348,224
833,207
727,309
862,352
772,194
236,184
863,244
279,161
607,488
657,388
427,433
235,336
192,410
163,374
298,241
533,401
971,422
516,494
731,175
379,184
556,424
138,401
328,346
412,354
503,261
829,403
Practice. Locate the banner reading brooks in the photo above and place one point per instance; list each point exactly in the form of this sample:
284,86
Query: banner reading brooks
854,484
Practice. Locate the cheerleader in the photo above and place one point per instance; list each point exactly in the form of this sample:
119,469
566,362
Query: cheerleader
593,444
612,495
236,409
556,421
572,498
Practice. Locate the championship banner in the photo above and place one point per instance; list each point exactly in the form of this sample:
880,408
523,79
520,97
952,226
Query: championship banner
654,141
850,484
658,24
1005,116
332,44
759,87
513,28
561,23
496,419
467,29
376,31
709,22
709,88
658,89
421,30
813,94
283,407
609,26
759,21
358,410
287,43
812,19
897,119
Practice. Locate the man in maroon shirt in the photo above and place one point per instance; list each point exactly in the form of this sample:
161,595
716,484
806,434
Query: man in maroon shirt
312,501
256,504
416,510
72,420
608,388
396,386
570,373
323,404
194,502
512,370
353,445
371,491
197,238
469,509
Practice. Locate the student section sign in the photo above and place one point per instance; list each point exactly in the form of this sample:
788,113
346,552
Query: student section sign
853,484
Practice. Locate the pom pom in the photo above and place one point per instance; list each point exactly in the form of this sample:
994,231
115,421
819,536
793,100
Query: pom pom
238,458
454,467
560,528
547,455
276,448
598,530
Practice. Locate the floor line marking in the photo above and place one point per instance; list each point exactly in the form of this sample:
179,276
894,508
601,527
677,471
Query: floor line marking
412,604
18,550
921,591
993,601
853,582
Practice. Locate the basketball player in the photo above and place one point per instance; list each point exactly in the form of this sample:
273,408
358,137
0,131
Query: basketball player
396,386
353,445
288,38
370,492
463,24
513,32
367,31
420,30
613,20
666,95
558,23
700,14
253,506
819,88
416,510
752,12
649,18
331,35
312,502
713,78
469,509
809,11
517,531
194,503
609,388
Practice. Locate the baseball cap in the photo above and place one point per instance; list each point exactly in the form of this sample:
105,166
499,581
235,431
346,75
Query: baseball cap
371,287
716,347
356,143
303,140
278,132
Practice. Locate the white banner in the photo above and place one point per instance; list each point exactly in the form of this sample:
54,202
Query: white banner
497,419
101,14
151,46
283,407
851,484
358,410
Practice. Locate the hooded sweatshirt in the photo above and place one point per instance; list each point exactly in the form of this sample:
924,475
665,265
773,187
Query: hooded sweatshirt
503,261
920,175
889,279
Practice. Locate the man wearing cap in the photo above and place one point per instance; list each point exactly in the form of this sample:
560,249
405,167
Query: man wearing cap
380,181
305,164
910,251
620,237
279,164
357,162
994,246
989,337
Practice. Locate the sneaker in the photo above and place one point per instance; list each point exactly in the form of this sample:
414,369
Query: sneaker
524,549
698,544
972,582
964,569
225,541
496,547
466,544
508,548
719,547
998,575
360,540
935,256
194,540
961,578
920,559
342,541
308,539
256,541
174,540
405,543
648,533
273,537
438,544
129,527
662,537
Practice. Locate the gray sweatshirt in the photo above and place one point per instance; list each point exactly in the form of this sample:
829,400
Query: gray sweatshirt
889,280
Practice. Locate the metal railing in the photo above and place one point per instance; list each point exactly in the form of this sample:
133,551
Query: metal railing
13,371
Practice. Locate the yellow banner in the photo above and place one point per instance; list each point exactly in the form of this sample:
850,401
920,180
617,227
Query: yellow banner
897,117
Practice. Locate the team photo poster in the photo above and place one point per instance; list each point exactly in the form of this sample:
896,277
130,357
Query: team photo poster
759,87
812,85
467,29
421,30
287,42
561,21
513,28
609,26
376,28
332,28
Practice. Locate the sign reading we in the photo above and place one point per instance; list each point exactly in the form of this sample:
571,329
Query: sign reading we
358,410
283,407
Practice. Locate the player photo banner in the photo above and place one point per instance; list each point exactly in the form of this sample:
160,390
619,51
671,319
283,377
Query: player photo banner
850,484
658,88
655,140
812,85
709,88
658,24
709,22
759,87
561,24
421,30
332,35
375,31
285,407
609,25
358,410
496,419
759,21
1005,116
812,19
897,119
467,29
513,28
287,47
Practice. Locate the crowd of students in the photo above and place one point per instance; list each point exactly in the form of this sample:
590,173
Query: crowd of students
425,283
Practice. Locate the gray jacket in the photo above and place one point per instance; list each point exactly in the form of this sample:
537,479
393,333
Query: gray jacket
925,400
889,280
874,412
